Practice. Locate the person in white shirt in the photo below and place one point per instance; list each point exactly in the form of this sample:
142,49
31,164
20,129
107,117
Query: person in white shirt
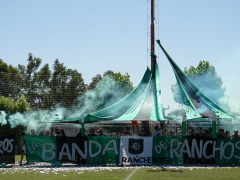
164,128
160,131
157,131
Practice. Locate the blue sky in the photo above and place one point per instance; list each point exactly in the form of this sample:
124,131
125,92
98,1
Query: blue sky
94,36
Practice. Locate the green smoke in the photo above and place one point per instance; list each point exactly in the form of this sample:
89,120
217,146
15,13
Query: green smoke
107,92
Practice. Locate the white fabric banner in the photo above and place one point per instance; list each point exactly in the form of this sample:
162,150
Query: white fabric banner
136,150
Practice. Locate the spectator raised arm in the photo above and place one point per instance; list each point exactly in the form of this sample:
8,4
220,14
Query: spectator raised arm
165,127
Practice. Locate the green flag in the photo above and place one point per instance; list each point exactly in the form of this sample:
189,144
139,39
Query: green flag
41,148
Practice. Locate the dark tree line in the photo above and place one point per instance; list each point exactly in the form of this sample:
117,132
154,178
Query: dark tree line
44,87
33,87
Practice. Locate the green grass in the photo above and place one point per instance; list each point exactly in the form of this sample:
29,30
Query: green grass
30,174
141,173
18,158
196,174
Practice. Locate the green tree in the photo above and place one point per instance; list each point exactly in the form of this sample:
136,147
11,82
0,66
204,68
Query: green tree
104,92
9,78
94,82
205,77
42,88
35,82
9,106
66,85
45,88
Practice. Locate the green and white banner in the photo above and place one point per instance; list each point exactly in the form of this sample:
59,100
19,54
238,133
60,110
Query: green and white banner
228,151
135,150
166,150
41,148
103,150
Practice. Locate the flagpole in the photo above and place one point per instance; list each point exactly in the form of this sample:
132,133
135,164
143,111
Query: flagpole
152,35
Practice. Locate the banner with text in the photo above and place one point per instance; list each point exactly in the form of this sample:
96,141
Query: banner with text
227,151
136,150
126,150
71,149
7,149
199,150
166,150
41,148
103,150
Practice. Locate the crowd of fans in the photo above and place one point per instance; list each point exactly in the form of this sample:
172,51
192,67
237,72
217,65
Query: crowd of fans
160,130
208,133
200,132
59,133
226,134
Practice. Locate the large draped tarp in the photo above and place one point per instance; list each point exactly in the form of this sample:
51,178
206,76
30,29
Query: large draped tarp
143,103
196,103
148,106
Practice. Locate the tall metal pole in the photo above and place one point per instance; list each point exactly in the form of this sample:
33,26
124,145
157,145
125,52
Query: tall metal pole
152,34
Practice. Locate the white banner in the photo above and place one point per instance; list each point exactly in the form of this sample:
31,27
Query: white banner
137,150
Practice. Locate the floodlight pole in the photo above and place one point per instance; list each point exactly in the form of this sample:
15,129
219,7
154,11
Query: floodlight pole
152,35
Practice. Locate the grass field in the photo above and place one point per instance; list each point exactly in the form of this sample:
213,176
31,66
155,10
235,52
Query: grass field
133,173
18,158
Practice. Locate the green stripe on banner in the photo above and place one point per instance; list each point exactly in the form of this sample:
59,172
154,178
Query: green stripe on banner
41,148
228,151
103,150
163,146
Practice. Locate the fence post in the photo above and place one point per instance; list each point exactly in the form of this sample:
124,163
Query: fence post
184,128
214,126
82,132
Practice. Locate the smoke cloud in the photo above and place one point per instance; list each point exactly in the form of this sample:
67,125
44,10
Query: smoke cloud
106,93
3,117
212,90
